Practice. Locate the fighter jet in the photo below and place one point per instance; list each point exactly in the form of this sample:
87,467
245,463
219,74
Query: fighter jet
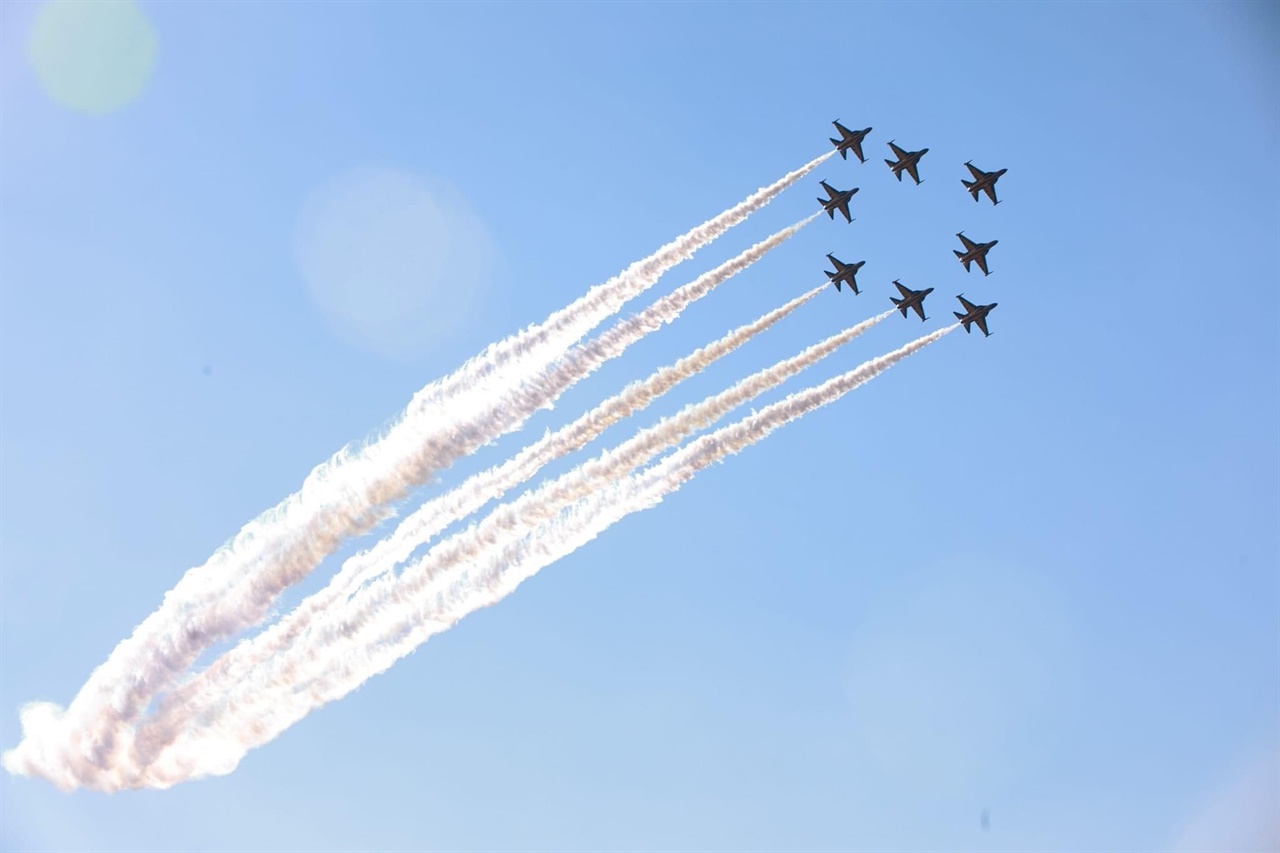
850,139
984,181
911,299
838,200
974,314
844,272
908,160
974,252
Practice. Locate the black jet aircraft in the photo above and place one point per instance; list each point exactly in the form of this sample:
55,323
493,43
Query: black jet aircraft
911,299
982,181
974,314
974,252
908,160
844,272
837,200
850,139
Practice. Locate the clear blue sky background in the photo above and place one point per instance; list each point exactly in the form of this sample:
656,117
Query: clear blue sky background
1034,574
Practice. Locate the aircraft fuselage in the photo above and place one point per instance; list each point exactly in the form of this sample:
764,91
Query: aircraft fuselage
978,251
988,179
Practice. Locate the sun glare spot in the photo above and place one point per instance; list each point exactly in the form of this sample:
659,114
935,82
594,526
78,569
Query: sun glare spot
394,261
93,57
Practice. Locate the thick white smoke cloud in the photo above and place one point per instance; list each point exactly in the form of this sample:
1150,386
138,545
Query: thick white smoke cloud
180,707
344,497
512,544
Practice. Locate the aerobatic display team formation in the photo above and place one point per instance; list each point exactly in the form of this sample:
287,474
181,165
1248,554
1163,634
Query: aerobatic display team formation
149,717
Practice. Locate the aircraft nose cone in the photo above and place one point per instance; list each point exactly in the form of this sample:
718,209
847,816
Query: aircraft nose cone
993,242
994,304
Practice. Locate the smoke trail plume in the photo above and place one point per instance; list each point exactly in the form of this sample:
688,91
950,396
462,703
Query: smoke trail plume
434,516
284,673
497,564
341,498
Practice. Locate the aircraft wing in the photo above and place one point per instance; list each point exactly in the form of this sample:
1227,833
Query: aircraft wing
857,150
968,306
990,190
982,263
982,324
831,193
968,244
975,171
843,207
903,289
844,131
919,306
898,152
911,170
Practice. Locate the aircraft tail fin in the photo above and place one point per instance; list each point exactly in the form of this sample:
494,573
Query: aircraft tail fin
897,172
959,254
898,302
969,185
961,318
844,153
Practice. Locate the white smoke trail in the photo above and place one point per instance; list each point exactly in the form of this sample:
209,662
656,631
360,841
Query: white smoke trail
248,603
339,499
496,564
434,516
270,651
251,601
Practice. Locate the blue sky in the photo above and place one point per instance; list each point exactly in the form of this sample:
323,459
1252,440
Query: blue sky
1034,574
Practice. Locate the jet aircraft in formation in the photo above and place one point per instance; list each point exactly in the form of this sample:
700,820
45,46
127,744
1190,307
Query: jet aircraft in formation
974,314
982,181
974,252
850,139
909,160
836,200
910,299
844,273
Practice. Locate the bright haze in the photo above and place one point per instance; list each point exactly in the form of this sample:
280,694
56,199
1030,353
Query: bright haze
1019,593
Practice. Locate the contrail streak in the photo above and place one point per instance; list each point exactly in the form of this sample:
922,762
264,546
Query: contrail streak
285,674
248,603
497,564
251,601
341,498
433,517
